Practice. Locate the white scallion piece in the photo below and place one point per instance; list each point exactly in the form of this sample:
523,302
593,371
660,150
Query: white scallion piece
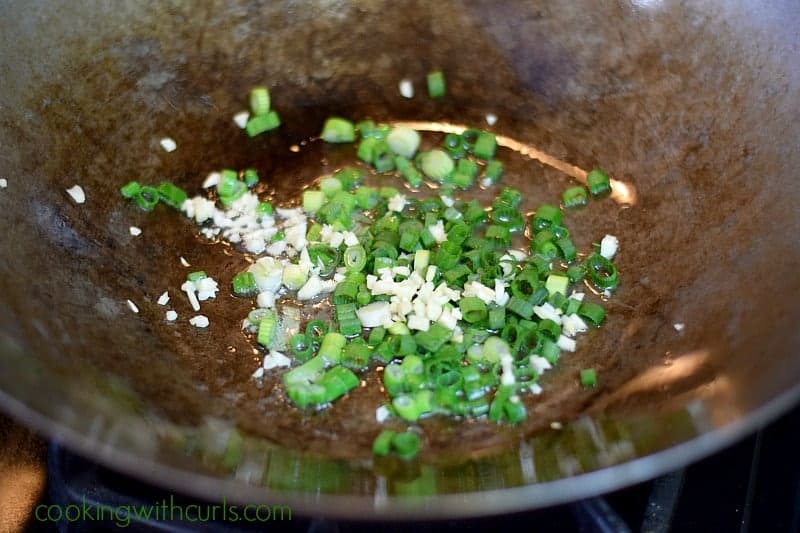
199,321
171,316
382,413
206,289
132,306
212,180
164,298
3,183
275,359
168,144
77,194
609,246
189,288
397,203
566,344
403,141
406,88
135,231
241,118
266,300
540,364
259,373
374,314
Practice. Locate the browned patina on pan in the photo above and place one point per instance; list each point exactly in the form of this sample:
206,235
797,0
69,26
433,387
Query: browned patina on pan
695,106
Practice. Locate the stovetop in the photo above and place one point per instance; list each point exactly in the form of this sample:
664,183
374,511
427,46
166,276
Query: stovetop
754,486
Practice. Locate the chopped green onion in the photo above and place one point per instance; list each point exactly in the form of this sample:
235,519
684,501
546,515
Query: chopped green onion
259,124
366,148
492,350
407,407
550,351
355,258
346,200
485,146
376,336
497,317
330,350
514,411
575,273
349,177
598,183
130,189
196,276
408,172
368,129
313,201
592,312
589,377
382,444
403,141
350,326
602,272
229,187
433,339
473,309
294,277
436,164
259,100
493,171
244,285
509,196
266,329
550,329
454,146
337,382
330,186
574,197
338,130
520,307
309,371
316,329
557,283
398,328
305,394
394,378
355,356
302,346
382,157
546,215
436,84
147,197
407,445
567,248
264,209
251,177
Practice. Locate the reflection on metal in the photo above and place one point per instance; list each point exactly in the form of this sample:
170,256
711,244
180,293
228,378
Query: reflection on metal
526,464
682,367
380,492
622,192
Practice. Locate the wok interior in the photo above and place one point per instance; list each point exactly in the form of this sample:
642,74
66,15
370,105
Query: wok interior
696,107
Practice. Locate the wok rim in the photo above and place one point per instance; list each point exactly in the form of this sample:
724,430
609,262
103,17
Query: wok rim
440,506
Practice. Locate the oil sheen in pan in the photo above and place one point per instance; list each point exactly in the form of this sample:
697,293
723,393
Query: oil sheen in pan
542,178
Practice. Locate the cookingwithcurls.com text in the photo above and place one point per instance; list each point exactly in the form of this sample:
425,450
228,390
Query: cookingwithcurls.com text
166,510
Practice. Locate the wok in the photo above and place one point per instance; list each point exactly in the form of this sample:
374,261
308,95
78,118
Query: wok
693,105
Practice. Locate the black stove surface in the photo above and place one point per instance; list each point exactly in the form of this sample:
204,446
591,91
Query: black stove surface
753,486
